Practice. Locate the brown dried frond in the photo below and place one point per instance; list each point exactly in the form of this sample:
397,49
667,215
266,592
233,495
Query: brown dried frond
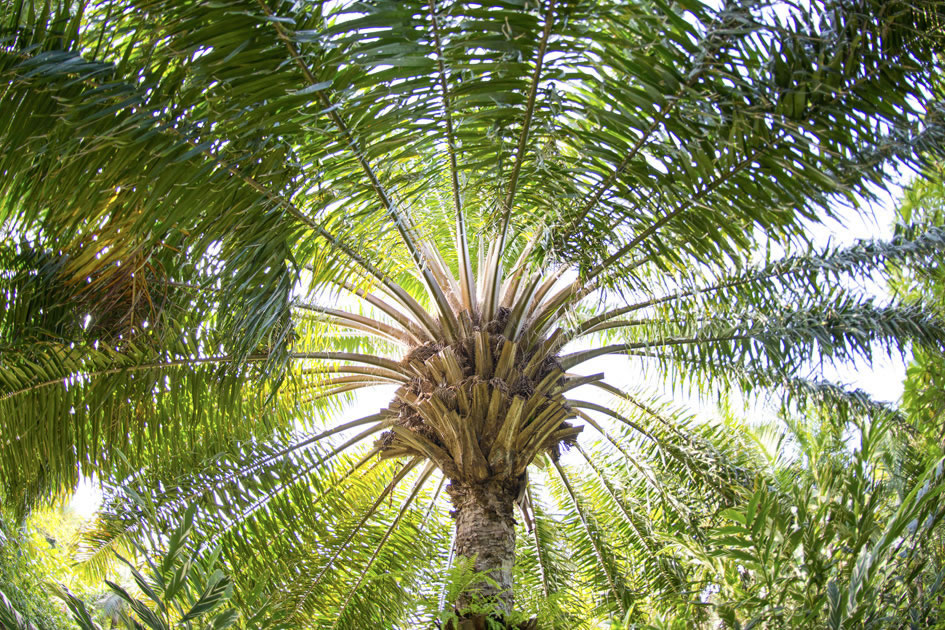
421,353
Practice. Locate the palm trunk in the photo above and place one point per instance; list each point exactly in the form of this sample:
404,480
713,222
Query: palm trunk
485,530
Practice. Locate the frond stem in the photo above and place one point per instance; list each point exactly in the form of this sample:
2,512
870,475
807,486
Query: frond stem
398,477
590,536
542,571
418,485
492,281
467,280
360,322
400,221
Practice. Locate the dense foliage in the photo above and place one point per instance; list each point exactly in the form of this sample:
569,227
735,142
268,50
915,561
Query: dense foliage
34,553
923,398
842,530
181,587
225,217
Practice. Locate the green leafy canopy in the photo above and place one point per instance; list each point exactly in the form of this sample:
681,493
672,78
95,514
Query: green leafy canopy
223,218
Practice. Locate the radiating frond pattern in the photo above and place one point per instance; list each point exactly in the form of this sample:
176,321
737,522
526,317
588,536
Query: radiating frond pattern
228,219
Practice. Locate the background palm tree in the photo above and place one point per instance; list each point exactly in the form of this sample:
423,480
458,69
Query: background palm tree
924,205
842,529
223,218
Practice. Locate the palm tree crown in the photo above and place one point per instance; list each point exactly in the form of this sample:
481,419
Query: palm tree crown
225,217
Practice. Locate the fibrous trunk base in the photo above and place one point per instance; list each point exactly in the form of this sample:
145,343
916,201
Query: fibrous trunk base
485,531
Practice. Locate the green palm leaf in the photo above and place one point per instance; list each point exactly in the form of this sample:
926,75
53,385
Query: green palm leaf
231,217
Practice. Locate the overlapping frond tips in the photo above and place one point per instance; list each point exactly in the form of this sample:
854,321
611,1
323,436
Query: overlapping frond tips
231,216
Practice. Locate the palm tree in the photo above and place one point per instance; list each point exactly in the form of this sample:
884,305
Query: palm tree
223,218
924,204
